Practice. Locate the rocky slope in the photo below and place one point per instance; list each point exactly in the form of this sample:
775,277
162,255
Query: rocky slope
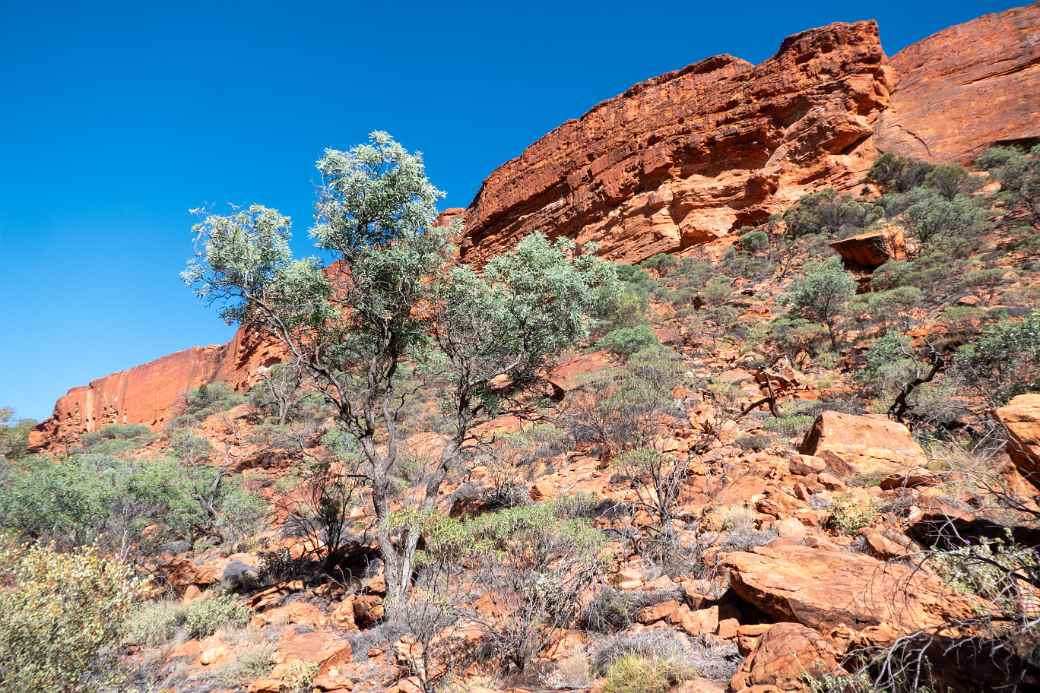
688,157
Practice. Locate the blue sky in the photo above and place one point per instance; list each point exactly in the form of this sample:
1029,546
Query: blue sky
116,118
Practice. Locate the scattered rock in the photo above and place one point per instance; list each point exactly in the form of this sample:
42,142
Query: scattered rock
869,444
1021,417
784,655
823,588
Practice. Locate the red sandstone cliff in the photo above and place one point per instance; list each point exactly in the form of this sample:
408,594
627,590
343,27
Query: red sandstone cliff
153,393
694,154
966,88
686,157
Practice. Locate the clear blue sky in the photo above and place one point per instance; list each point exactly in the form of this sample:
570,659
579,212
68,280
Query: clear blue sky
116,118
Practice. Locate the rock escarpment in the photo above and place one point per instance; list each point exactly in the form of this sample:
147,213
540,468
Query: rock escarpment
153,393
966,88
692,155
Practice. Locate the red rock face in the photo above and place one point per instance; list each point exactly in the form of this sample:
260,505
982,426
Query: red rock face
694,154
153,393
966,88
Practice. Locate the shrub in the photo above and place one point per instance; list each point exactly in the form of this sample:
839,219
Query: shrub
828,213
849,514
205,401
635,674
822,295
897,173
14,437
116,438
705,655
248,665
204,617
663,263
154,623
97,498
950,180
536,563
62,618
626,341
1005,359
622,408
754,442
1019,176
954,224
658,479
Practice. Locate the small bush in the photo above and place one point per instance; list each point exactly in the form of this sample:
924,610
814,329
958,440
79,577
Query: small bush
953,224
626,341
738,517
822,295
155,623
1005,360
705,655
205,401
635,674
754,442
204,617
829,214
62,618
248,665
116,438
662,263
849,515
98,498
897,173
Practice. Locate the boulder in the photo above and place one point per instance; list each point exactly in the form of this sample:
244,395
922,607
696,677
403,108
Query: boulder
1021,417
871,249
785,654
823,588
870,444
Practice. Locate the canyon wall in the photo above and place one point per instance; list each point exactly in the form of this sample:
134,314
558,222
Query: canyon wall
965,88
694,154
685,158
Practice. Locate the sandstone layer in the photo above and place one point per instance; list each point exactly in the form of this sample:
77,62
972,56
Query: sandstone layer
694,154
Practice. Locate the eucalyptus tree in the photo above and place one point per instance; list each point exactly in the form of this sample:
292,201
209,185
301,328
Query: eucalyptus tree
388,301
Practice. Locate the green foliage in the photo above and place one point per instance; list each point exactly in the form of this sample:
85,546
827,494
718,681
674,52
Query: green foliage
393,304
889,364
822,295
116,438
635,674
526,306
97,498
204,617
537,563
1019,175
793,335
626,341
248,665
14,436
62,618
950,180
662,263
206,400
897,173
953,224
828,213
1005,359
621,409
849,514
